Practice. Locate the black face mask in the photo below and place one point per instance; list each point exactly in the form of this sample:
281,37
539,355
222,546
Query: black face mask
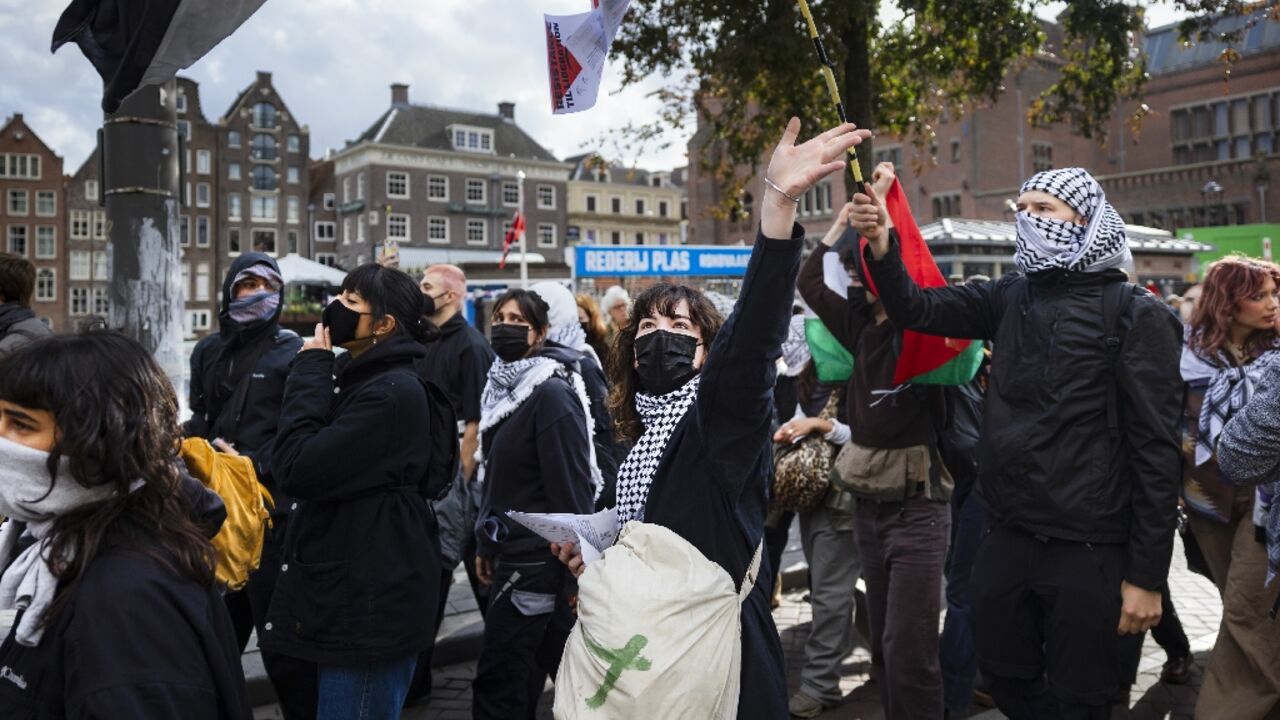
510,342
429,303
342,322
665,361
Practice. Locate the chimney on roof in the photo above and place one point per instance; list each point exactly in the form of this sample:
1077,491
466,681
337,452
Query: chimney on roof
507,110
399,94
264,77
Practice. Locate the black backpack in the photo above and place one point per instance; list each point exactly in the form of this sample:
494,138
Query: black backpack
442,439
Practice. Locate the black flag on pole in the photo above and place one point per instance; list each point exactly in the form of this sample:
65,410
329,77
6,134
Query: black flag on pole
133,43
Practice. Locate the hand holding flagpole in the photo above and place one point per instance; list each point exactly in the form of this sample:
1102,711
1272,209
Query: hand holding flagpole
828,74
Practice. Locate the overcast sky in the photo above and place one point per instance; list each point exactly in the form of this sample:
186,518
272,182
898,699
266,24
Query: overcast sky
333,60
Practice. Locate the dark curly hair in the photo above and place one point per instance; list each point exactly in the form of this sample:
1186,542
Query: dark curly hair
117,422
659,299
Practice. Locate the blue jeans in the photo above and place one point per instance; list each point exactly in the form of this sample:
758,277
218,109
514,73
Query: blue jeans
374,691
959,666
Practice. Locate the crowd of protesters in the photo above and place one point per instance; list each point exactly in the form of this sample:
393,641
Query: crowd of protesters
1043,490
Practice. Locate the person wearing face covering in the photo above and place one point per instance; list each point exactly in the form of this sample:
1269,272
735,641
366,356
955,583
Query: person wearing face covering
535,439
237,385
105,552
696,397
566,331
1079,458
360,570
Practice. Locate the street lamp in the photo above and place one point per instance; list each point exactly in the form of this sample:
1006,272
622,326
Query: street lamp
1211,193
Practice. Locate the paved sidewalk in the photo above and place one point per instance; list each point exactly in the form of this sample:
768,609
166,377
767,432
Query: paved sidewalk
1195,598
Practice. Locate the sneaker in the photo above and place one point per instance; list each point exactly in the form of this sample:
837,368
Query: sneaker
1176,671
803,706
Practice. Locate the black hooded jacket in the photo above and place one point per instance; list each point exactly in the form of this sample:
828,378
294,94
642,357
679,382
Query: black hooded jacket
361,570
1046,461
259,355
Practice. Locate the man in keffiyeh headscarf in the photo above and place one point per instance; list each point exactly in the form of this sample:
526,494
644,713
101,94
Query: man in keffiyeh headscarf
1079,459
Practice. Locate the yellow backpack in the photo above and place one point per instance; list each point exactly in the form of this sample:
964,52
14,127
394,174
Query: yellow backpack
239,542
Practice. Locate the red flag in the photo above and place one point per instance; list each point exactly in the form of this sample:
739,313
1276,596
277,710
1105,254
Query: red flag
920,353
517,229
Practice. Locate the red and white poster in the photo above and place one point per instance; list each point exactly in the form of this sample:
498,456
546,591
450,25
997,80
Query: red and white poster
577,46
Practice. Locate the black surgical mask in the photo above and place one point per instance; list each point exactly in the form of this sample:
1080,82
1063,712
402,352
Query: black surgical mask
510,342
342,322
429,303
664,361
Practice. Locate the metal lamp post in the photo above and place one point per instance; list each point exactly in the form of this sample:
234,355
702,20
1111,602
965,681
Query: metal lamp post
1211,193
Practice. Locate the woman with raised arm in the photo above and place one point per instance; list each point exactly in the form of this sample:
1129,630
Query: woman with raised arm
695,393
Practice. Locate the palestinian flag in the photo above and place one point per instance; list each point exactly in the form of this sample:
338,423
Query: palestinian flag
512,236
830,359
925,359
133,43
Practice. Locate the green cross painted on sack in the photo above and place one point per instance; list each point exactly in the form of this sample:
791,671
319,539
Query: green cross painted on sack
627,658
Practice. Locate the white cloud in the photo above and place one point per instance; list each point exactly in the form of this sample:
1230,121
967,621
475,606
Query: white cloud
333,60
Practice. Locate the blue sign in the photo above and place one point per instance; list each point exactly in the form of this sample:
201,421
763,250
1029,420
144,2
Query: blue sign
634,260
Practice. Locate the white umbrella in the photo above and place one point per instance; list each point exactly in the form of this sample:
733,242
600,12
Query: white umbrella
297,270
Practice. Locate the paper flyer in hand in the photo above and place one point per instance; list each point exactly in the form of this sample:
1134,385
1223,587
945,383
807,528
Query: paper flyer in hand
577,46
592,533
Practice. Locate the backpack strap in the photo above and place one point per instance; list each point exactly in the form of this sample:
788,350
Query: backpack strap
753,573
1116,298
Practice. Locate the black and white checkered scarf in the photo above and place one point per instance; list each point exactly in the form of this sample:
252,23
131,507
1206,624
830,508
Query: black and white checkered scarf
1230,387
511,383
1047,243
660,416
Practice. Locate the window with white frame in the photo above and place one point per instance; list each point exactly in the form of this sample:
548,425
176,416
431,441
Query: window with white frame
475,190
184,129
99,224
360,181
184,230
546,235
346,231
90,189
398,184
101,301
263,207
19,202
547,197
202,282
293,175
346,190
81,265
437,187
330,259
233,138
615,205
510,193
46,285
360,237
22,166
186,280
198,320
663,208
186,196
203,162
327,203
640,206
79,301
18,240
293,210
202,195
591,203
264,241
398,226
46,203
202,231
80,220
100,265
325,231
264,177
46,242
438,229
477,232
472,139
233,241
233,171
180,102
373,218
294,143
233,206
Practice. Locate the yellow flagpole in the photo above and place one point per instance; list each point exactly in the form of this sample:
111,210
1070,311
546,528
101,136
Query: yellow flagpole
829,75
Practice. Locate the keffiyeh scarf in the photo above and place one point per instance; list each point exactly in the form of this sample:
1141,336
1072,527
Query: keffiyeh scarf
795,349
1047,243
1229,388
573,337
660,416
511,383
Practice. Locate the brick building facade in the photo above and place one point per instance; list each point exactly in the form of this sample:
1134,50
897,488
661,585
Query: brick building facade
33,213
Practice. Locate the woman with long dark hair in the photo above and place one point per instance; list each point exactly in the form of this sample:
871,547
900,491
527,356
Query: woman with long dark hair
592,321
695,394
103,552
1231,343
536,440
359,582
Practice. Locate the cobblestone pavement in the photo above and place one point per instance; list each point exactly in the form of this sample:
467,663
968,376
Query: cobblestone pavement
1194,597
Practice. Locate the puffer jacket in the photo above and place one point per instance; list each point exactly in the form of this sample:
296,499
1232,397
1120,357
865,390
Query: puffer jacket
1047,463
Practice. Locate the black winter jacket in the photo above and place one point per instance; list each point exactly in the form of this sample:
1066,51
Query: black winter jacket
1046,462
361,569
137,642
214,356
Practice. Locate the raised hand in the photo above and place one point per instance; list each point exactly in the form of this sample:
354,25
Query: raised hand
793,169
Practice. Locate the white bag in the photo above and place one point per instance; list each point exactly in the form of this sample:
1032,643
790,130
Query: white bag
659,633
